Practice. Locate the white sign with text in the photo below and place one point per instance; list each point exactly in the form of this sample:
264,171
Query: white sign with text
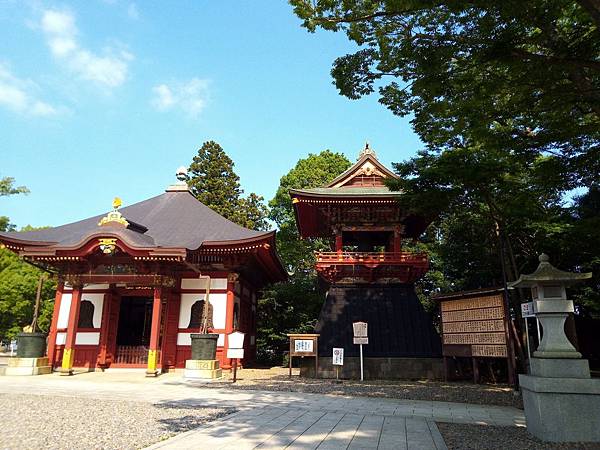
338,357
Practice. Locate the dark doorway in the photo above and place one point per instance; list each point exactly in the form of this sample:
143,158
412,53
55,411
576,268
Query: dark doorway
135,320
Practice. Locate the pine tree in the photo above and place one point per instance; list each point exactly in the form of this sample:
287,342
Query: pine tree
213,181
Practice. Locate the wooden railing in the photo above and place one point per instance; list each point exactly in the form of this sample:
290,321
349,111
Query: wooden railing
351,258
131,354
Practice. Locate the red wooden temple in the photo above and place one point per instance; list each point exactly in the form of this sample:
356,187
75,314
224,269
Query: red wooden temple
132,283
370,277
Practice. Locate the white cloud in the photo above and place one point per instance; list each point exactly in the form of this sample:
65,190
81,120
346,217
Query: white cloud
20,96
190,96
109,69
133,12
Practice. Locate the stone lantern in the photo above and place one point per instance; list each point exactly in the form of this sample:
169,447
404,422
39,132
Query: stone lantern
559,388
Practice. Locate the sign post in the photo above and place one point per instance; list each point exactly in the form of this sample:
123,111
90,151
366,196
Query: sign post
235,350
338,360
526,312
304,345
360,338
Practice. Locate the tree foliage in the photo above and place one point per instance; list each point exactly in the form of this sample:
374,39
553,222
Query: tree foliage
212,180
511,74
7,187
316,170
18,287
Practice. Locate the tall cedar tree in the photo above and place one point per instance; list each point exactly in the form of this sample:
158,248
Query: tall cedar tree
212,180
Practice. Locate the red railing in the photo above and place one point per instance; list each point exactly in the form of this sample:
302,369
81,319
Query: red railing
371,266
366,258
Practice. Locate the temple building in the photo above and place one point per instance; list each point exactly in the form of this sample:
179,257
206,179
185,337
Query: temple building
369,277
132,283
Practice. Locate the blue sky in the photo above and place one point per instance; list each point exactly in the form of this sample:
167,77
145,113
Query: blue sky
105,98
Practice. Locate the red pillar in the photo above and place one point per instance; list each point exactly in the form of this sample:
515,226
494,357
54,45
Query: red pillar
69,353
397,241
53,325
231,279
339,243
106,304
153,355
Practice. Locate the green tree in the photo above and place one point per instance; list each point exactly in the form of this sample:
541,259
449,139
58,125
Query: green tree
316,170
212,180
293,307
7,188
509,74
18,288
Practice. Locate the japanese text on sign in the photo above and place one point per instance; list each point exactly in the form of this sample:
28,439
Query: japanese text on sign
338,357
303,345
360,329
527,310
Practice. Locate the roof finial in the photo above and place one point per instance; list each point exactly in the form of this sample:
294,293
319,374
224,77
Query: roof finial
182,177
367,151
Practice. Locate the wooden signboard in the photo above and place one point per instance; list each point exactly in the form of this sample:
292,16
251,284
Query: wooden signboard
304,345
474,325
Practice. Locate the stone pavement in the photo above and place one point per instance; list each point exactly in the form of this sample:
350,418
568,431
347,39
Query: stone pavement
278,419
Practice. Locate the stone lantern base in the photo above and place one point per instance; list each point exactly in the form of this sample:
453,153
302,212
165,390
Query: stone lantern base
202,369
562,402
28,366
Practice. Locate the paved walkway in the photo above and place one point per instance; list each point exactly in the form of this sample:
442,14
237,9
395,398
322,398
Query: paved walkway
278,419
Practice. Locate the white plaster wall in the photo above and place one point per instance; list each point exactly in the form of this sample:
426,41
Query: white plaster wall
98,302
91,338
63,312
218,302
61,338
200,283
185,339
218,283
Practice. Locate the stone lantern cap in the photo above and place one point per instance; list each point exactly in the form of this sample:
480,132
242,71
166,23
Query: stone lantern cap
546,272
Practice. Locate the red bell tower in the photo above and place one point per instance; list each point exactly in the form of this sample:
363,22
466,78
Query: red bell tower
368,225
369,277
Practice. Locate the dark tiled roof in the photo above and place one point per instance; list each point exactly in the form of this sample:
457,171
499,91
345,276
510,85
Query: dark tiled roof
173,220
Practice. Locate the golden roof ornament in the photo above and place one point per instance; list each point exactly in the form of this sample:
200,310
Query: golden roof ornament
114,217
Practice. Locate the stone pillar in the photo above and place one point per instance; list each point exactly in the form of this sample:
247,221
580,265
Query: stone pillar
69,352
153,352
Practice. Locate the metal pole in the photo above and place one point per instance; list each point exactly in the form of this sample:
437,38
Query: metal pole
527,338
361,364
234,370
537,322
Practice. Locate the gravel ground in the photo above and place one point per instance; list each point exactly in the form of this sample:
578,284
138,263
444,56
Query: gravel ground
276,379
460,436
53,422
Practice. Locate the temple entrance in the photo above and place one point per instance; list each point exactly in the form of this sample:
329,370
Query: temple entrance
133,333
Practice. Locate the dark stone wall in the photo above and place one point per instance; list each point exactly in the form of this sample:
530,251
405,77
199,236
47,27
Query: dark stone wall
377,368
399,327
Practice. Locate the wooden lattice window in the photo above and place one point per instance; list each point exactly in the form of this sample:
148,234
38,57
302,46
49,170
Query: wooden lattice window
86,314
